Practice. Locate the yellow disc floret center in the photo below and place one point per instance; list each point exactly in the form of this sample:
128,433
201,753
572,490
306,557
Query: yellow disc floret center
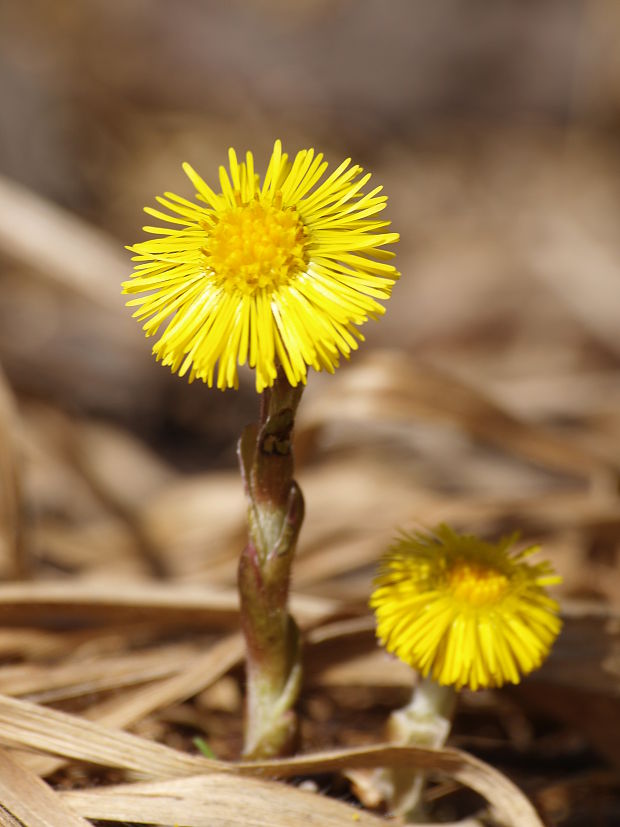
475,583
256,246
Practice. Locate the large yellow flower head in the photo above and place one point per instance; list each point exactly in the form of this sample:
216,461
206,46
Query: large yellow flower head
466,612
278,273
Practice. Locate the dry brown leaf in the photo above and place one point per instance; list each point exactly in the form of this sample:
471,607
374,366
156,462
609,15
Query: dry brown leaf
510,805
203,671
34,727
390,385
130,707
217,791
49,683
123,473
201,522
34,644
112,600
38,234
27,801
118,466
217,800
582,273
11,529
23,724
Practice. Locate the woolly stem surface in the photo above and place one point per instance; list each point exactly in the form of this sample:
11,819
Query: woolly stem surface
275,515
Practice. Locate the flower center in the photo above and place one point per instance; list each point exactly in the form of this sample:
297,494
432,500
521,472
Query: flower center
256,246
476,584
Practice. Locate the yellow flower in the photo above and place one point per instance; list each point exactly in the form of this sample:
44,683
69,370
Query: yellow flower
466,612
272,274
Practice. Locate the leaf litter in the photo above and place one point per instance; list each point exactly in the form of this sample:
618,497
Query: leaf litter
118,606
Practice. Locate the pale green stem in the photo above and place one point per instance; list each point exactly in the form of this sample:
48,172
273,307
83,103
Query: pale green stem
424,722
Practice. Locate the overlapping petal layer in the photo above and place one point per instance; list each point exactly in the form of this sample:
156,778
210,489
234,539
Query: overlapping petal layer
278,273
466,612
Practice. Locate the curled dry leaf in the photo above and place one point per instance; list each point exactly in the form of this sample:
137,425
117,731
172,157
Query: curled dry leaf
207,801
23,724
509,804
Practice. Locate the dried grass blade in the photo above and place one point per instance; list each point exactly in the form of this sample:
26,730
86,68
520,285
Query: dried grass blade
26,725
204,671
11,530
217,800
37,233
111,601
45,683
27,801
509,803
137,704
388,385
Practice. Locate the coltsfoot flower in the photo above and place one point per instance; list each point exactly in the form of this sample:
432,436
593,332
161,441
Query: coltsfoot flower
278,273
465,612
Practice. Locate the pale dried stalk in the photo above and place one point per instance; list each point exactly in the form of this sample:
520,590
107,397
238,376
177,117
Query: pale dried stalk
27,801
37,728
164,604
46,683
388,385
38,234
27,725
11,528
217,801
507,800
123,711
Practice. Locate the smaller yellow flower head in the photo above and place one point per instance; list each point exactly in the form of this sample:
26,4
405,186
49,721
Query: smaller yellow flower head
466,612
278,273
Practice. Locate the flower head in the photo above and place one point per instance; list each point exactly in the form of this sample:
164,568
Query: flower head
278,273
464,611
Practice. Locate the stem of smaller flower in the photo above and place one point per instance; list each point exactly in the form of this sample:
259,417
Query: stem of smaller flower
424,722
275,514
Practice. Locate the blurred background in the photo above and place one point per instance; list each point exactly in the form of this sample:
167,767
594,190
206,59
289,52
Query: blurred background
489,394
493,377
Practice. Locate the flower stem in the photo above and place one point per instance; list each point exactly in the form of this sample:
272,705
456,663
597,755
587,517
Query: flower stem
275,514
424,722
